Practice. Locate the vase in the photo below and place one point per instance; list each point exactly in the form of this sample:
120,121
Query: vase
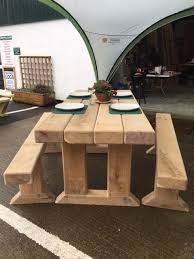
102,97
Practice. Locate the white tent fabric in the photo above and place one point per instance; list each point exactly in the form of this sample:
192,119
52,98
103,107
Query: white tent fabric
111,25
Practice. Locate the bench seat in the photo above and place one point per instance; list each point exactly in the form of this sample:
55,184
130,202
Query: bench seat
170,176
22,168
26,170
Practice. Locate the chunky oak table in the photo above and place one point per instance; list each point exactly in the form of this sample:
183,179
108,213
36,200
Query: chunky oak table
97,126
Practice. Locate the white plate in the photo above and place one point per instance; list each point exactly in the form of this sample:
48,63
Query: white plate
123,94
69,106
80,94
124,106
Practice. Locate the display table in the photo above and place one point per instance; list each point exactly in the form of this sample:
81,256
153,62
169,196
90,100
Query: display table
163,77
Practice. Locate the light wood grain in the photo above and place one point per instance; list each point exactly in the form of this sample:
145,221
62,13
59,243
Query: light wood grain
80,129
31,137
22,167
52,129
170,176
166,199
119,172
95,197
74,167
108,128
170,166
49,147
35,192
26,170
119,169
137,128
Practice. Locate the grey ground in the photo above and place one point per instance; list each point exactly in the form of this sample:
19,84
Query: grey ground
101,232
179,100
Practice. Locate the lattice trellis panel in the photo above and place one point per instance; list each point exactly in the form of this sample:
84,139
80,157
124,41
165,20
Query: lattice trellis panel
36,70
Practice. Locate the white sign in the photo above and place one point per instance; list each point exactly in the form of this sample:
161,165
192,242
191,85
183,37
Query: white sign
7,53
9,79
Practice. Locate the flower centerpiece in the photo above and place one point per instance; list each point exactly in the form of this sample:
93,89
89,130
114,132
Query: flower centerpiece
103,91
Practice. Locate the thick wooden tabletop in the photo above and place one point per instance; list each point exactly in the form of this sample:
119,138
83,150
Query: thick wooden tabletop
96,126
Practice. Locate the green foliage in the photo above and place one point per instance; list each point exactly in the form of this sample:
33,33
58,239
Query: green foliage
101,86
42,89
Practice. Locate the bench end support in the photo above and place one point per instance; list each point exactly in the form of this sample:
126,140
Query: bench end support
44,197
166,199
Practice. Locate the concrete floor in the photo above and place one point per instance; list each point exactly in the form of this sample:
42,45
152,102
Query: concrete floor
101,232
179,100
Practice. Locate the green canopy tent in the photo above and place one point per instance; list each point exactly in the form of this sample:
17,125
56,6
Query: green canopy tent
111,28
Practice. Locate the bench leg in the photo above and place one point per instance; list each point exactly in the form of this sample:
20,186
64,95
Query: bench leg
35,192
165,198
74,170
119,173
3,108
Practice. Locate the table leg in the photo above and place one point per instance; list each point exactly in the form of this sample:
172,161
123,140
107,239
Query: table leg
119,173
162,87
74,171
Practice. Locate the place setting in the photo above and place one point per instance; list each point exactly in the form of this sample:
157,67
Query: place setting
123,94
124,108
70,108
80,94
73,107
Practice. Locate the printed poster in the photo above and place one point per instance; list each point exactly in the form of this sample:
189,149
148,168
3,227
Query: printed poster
6,49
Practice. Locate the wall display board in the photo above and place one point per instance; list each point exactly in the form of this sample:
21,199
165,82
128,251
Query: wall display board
6,49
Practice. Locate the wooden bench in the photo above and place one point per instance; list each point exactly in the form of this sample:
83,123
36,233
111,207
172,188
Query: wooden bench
170,177
6,93
4,101
26,170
